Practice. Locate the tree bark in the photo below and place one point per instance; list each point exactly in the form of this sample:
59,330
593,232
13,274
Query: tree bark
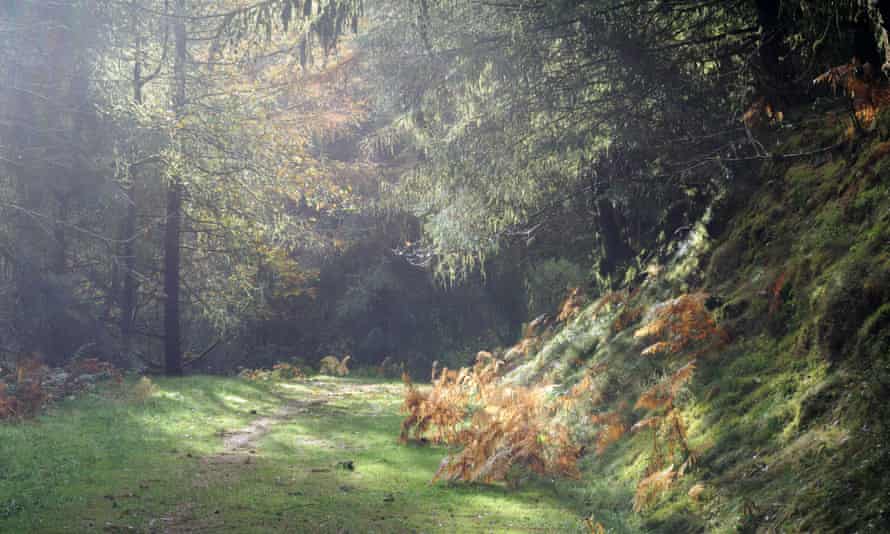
172,233
776,78
615,250
128,231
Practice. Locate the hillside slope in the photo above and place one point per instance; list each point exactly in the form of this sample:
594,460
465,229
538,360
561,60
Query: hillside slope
781,299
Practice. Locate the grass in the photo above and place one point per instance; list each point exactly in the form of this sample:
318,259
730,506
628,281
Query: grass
104,462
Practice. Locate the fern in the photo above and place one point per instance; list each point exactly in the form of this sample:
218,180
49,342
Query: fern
667,425
775,292
652,486
613,428
867,94
680,324
333,366
627,317
609,299
571,305
593,526
496,427
143,390
8,403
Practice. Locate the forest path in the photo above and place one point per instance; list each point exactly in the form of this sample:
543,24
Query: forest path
229,455
326,460
246,439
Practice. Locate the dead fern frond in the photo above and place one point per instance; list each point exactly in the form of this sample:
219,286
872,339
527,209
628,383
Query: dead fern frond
681,324
655,349
30,397
761,113
27,368
868,95
8,404
775,292
571,305
593,526
688,464
668,430
143,390
654,398
627,317
652,422
609,299
680,377
653,329
534,328
696,491
522,349
342,367
652,486
513,427
329,365
613,428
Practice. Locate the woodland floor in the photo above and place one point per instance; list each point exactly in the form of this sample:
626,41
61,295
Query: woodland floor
227,455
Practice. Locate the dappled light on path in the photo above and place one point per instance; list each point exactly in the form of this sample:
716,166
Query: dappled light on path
227,455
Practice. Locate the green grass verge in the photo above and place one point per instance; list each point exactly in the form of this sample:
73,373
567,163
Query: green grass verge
102,462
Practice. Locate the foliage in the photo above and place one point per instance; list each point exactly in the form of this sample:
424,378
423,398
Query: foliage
390,368
613,427
571,305
331,365
653,485
548,280
681,324
33,385
143,390
71,452
867,91
441,410
282,372
496,426
627,317
684,325
523,121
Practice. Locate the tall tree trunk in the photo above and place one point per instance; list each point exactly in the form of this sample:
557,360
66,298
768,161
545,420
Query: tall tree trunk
128,231
776,77
614,249
172,234
128,252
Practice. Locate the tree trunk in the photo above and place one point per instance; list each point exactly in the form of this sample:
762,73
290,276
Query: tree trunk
615,250
128,252
172,233
128,232
776,77
879,17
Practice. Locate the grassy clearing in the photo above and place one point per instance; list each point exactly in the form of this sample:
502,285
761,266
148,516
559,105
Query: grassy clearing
107,463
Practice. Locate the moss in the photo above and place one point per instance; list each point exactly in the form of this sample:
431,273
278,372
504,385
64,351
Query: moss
725,260
846,304
818,401
675,515
777,428
810,186
876,327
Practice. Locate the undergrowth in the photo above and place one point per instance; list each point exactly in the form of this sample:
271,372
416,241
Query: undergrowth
739,387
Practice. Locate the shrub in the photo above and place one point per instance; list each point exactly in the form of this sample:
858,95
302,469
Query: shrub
143,390
496,426
331,365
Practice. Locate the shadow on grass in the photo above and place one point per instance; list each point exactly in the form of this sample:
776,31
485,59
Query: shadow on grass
105,459
97,463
